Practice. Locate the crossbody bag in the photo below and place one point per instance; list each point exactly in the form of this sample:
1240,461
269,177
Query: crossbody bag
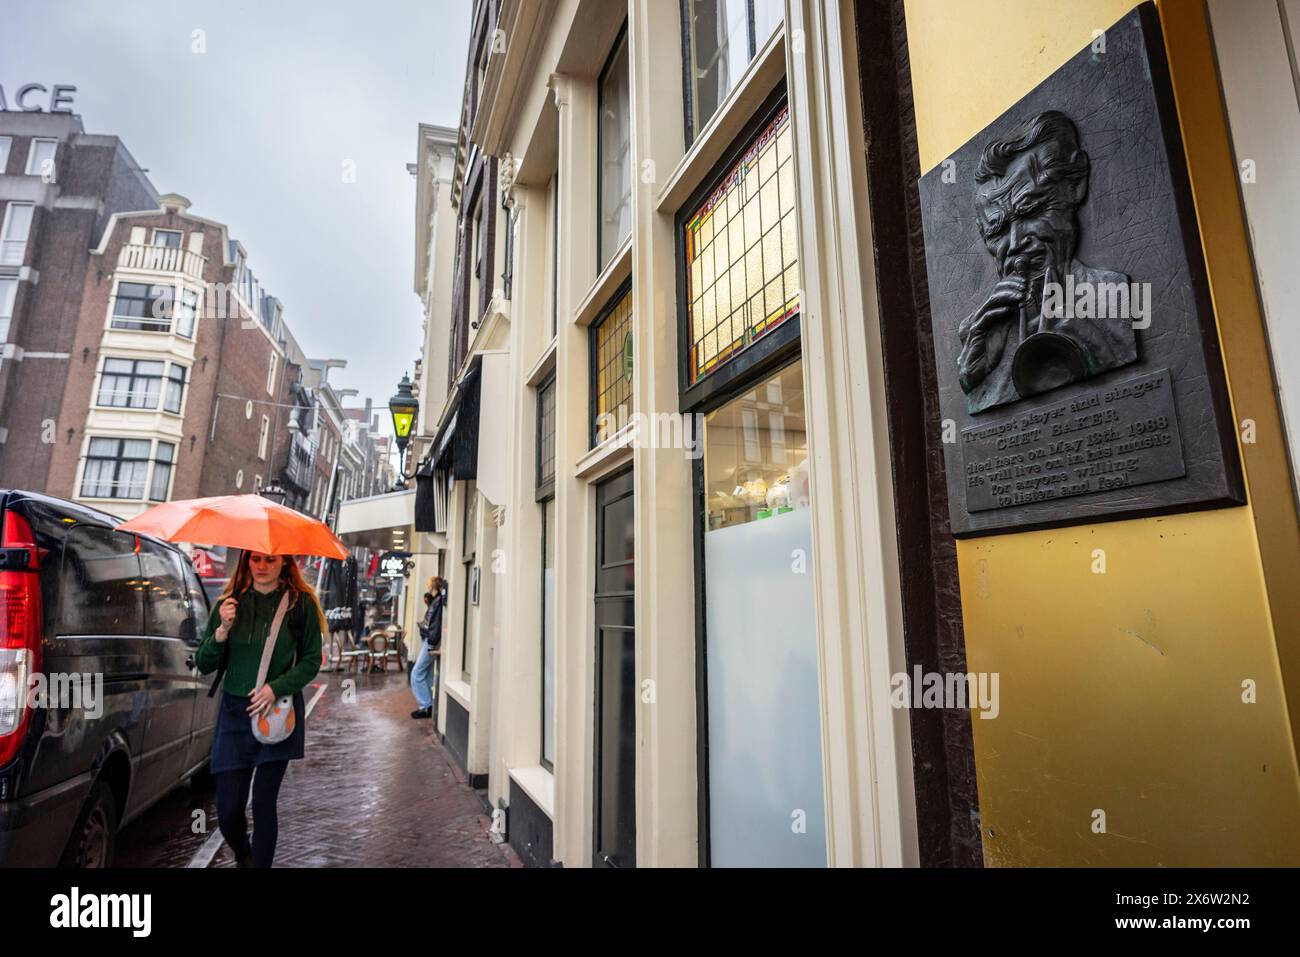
277,724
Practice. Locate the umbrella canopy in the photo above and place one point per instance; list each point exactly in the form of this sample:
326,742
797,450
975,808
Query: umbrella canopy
250,522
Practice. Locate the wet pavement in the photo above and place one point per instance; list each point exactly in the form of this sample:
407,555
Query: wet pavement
376,789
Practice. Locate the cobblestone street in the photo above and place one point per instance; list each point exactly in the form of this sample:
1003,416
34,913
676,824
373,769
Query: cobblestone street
375,789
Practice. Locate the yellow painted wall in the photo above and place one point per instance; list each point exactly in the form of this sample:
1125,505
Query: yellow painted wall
1122,691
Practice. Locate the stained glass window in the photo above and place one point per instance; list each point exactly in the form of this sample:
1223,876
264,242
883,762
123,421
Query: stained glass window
742,253
546,439
612,371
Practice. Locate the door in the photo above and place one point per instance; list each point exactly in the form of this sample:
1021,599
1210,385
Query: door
615,797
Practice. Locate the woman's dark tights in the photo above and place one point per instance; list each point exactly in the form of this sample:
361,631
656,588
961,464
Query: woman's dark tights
232,797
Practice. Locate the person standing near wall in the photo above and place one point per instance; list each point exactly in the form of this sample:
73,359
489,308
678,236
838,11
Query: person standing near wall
423,675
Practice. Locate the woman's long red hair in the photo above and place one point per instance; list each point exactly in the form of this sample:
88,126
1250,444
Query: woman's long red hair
290,577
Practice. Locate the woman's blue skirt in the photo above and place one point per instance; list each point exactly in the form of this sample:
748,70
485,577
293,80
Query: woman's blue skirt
233,746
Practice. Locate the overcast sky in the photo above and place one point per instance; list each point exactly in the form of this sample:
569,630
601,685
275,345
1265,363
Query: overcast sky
256,132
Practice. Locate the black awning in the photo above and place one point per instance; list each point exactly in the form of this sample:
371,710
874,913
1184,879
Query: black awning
464,463
455,447
426,513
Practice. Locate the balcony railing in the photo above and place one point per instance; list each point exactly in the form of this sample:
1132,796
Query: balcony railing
162,259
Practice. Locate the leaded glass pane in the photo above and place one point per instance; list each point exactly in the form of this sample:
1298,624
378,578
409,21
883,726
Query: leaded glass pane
613,372
741,253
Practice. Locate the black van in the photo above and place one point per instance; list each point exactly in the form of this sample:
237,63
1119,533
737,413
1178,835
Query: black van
83,605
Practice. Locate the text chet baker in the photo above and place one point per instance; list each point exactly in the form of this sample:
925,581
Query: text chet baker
1028,427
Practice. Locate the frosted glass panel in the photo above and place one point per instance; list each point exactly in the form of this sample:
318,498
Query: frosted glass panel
548,632
548,669
765,759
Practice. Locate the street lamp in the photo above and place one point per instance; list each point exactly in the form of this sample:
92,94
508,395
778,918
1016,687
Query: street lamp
404,406
275,492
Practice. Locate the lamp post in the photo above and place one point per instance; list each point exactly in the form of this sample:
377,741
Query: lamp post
404,406
275,492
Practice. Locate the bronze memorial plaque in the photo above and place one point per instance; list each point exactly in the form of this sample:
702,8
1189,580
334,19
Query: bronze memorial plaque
1077,355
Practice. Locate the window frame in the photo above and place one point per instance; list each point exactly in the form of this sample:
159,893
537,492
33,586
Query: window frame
118,460
545,488
788,355
154,463
547,530
751,366
179,234
690,112
766,353
133,375
8,304
606,313
181,380
6,147
620,42
32,150
148,318
6,224
263,437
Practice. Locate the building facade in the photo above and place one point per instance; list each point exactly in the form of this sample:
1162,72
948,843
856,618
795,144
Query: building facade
59,189
143,359
697,523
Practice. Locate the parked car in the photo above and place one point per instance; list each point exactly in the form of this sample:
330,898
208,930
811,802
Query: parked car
78,597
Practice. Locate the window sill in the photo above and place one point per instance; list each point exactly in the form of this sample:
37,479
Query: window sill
539,784
761,77
613,276
606,457
544,366
128,408
460,691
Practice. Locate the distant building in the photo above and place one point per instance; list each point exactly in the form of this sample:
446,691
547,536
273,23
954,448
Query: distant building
60,188
142,359
176,367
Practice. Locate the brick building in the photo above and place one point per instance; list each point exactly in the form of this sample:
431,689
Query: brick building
59,189
176,368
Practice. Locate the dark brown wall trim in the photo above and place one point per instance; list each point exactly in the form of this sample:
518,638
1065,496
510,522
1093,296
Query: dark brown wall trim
947,803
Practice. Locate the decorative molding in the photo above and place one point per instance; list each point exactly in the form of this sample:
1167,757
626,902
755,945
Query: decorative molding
559,87
507,171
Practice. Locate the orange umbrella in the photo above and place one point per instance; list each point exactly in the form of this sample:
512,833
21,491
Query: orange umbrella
250,522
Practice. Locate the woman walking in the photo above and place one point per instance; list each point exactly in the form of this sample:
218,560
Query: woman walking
431,633
236,637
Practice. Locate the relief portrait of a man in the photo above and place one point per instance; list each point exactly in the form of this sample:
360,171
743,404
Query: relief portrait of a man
1029,187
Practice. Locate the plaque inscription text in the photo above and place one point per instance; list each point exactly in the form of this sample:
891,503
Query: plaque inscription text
1111,438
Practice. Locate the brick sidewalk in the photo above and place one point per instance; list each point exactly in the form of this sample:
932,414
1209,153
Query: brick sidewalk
375,789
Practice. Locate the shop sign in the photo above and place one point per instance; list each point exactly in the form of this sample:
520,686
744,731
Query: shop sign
33,98
395,565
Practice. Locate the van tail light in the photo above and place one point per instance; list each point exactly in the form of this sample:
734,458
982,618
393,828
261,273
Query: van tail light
20,630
